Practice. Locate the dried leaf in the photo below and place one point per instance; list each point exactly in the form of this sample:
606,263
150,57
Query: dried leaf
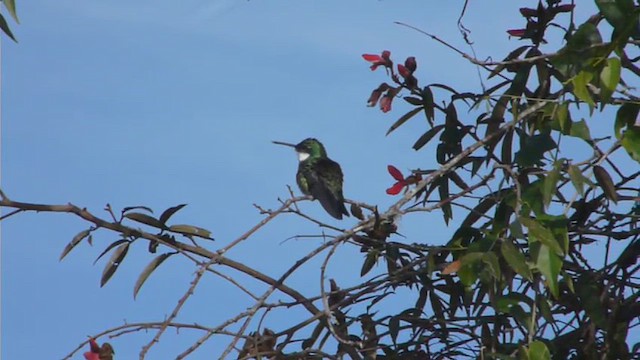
146,219
75,241
148,270
108,248
403,119
452,267
169,212
356,211
114,262
190,230
604,180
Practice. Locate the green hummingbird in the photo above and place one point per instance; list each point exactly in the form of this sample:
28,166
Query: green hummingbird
319,176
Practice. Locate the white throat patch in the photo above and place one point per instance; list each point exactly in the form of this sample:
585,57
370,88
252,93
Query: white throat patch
302,156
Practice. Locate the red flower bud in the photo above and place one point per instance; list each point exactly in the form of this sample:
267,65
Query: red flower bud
528,12
516,32
403,71
411,64
385,103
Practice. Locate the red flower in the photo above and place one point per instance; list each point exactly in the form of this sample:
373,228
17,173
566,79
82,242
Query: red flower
385,103
528,12
99,353
375,95
401,181
94,354
403,71
377,60
517,32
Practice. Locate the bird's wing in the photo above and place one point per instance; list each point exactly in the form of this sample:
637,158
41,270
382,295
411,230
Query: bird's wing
328,171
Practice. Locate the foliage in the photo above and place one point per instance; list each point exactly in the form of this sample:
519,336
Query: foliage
10,5
511,282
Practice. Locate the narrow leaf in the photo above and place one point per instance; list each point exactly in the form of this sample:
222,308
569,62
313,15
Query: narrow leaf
537,232
610,77
356,211
577,179
169,212
108,248
580,90
413,100
191,230
369,261
140,207
426,137
403,119
606,184
145,219
148,270
75,241
5,28
11,6
394,328
114,262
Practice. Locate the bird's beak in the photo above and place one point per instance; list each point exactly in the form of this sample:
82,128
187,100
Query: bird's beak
283,143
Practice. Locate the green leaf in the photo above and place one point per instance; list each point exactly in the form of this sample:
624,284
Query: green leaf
606,183
588,289
148,270
429,108
577,179
580,129
129,208
515,258
610,77
113,263
537,232
614,14
549,186
563,117
5,28
538,351
558,225
625,118
545,309
447,210
108,248
75,241
580,90
492,264
549,265
403,119
533,149
394,328
191,230
169,212
145,219
631,142
426,137
468,273
11,7
369,261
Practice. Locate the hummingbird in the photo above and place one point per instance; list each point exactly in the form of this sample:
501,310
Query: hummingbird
319,176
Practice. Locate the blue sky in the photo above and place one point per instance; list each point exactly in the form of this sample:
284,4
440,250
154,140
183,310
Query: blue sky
159,103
